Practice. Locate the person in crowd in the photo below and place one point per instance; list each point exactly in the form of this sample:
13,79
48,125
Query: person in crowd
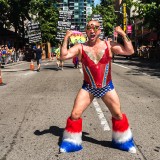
95,56
21,54
4,54
75,62
0,56
60,63
12,54
38,52
9,55
52,53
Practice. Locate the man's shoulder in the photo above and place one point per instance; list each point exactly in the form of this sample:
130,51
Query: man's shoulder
78,45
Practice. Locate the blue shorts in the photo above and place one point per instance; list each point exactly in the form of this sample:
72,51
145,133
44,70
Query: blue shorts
98,92
39,61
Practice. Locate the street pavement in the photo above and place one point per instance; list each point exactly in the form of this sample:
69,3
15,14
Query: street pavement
140,65
34,107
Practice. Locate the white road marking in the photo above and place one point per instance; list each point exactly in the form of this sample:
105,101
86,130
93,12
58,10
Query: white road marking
81,70
121,66
101,116
99,111
145,74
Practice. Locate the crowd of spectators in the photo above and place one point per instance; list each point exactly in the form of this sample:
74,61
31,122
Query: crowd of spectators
151,52
10,55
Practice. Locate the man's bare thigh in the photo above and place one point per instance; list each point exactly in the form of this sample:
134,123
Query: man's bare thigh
82,101
111,100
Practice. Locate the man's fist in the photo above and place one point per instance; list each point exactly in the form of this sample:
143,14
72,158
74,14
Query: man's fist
120,31
68,33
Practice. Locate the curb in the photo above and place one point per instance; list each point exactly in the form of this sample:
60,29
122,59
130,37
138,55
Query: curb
11,64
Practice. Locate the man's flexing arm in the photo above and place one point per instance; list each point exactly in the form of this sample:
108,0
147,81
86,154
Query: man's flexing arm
117,48
71,52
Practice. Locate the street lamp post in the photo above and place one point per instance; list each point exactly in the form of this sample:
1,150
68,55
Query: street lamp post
125,19
119,23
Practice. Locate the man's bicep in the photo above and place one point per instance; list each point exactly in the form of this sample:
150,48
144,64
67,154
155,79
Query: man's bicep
117,48
73,51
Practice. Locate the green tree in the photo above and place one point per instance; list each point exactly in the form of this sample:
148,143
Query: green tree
13,14
18,13
106,9
4,8
149,11
47,15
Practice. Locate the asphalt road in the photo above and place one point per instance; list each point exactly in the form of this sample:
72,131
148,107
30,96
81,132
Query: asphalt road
34,107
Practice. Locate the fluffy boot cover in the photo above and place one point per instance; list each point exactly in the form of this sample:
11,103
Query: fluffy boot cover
122,136
72,136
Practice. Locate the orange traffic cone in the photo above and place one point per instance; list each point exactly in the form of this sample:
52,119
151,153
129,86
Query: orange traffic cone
1,78
32,66
1,82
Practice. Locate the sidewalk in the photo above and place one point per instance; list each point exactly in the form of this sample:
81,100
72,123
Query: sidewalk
10,64
19,62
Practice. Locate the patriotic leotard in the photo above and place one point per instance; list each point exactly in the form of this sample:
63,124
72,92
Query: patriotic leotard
97,72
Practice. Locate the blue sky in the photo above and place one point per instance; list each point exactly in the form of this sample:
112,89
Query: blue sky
96,2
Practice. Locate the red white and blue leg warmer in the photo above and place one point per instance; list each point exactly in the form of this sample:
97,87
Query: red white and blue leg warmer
72,136
122,136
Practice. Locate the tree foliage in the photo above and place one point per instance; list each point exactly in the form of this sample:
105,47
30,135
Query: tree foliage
47,15
18,13
15,12
3,11
149,11
106,9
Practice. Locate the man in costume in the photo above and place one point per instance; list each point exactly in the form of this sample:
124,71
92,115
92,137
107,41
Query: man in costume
95,56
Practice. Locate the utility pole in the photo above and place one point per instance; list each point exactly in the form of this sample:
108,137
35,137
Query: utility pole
124,17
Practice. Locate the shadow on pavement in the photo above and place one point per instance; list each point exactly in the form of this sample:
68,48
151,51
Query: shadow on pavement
55,67
143,65
14,70
56,131
51,68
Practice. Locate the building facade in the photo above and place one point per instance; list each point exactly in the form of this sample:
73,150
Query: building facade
81,9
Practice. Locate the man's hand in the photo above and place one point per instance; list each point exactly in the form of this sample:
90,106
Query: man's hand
125,37
68,33
120,31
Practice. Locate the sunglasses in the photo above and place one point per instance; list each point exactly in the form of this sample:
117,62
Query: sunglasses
92,26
